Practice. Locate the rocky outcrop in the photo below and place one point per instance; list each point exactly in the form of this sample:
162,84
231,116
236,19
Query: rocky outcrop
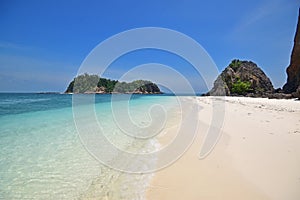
293,70
148,88
280,95
242,78
296,94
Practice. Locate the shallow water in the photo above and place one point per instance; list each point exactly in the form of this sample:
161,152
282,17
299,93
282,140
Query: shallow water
42,157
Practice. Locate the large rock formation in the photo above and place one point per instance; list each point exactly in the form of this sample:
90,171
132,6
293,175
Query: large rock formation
242,78
293,70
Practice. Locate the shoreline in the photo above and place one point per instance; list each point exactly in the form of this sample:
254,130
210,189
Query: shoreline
257,156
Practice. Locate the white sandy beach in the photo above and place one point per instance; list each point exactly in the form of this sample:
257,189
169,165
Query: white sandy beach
257,156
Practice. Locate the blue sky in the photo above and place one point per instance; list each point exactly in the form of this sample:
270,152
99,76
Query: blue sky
43,43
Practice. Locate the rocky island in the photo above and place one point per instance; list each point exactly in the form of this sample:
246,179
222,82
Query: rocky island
242,78
93,84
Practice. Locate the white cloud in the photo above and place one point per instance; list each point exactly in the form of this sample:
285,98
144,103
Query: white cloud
263,10
13,46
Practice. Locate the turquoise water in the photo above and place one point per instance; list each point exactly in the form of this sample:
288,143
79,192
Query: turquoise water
42,157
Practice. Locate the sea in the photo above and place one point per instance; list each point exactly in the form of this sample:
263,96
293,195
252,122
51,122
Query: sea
42,155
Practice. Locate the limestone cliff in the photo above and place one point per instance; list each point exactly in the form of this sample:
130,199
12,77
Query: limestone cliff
293,70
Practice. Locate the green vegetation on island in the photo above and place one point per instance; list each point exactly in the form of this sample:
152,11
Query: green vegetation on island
235,64
241,87
86,83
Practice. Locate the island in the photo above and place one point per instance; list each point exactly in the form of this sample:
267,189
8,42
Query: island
242,78
93,84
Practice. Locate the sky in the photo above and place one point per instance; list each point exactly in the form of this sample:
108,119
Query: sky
44,43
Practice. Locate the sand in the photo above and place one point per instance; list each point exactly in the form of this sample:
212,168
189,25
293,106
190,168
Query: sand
257,156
